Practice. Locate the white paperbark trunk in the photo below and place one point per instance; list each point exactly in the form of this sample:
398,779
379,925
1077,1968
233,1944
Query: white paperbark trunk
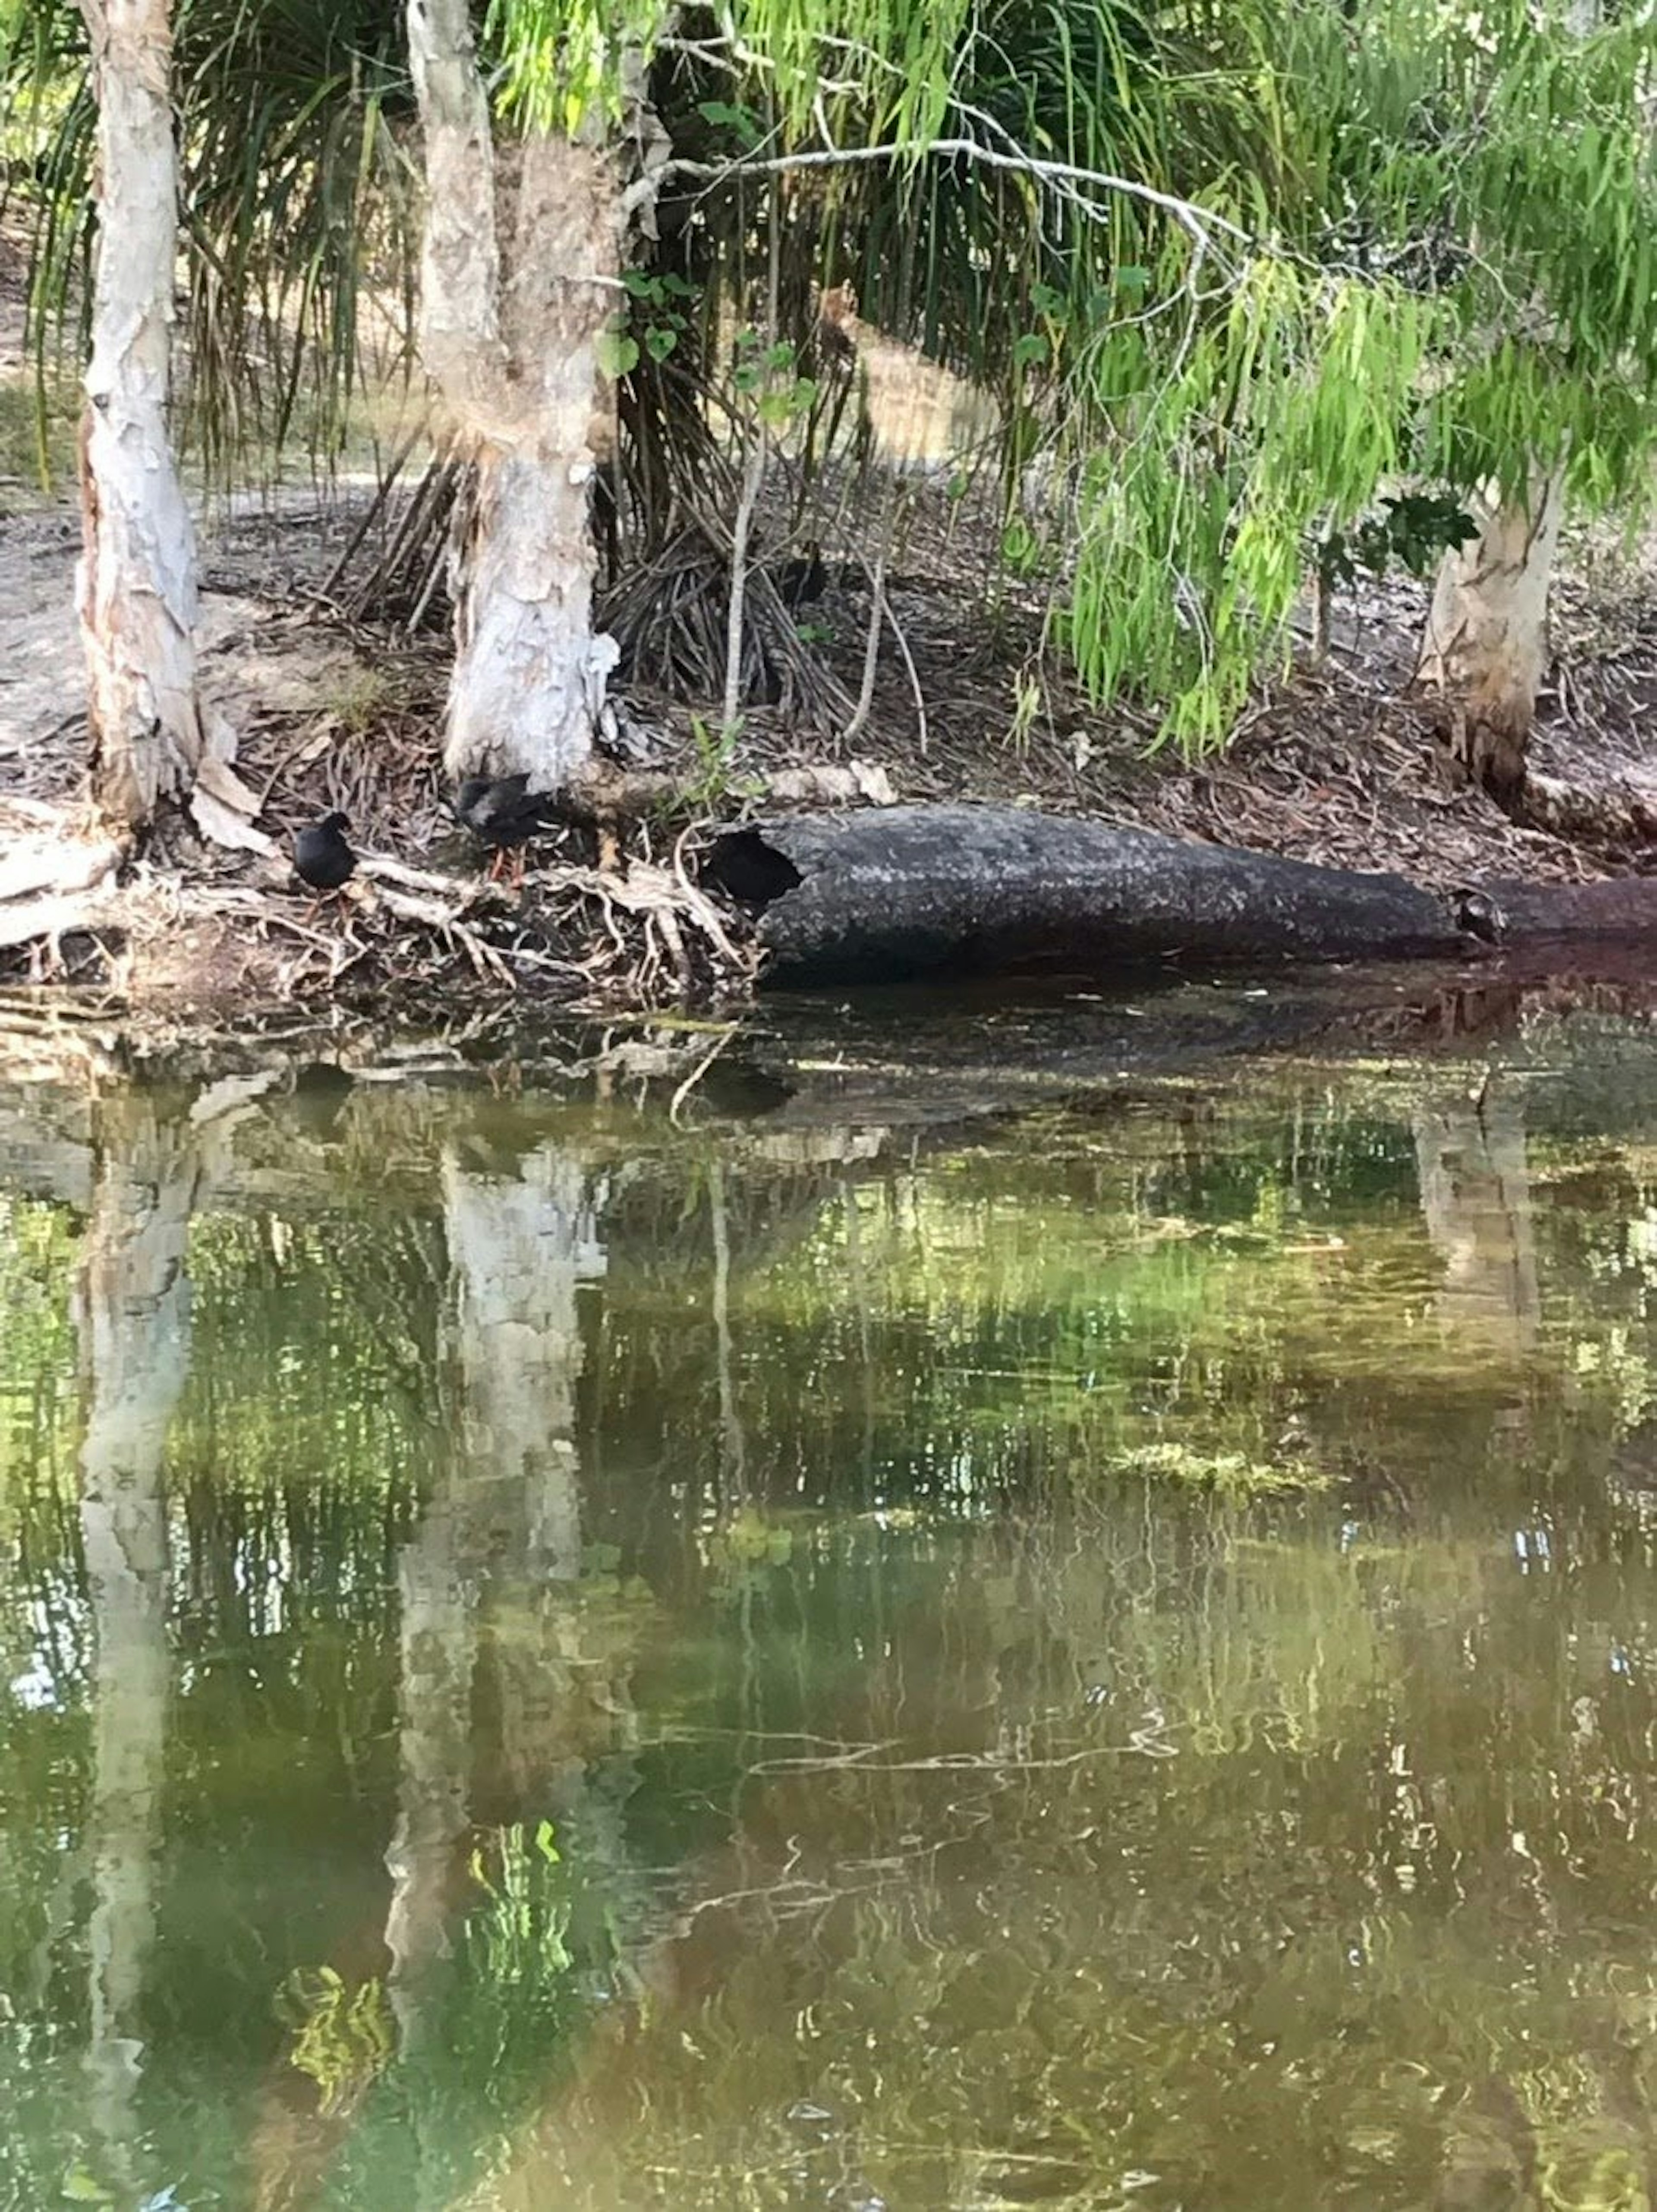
514,302
138,582
1487,635
135,1340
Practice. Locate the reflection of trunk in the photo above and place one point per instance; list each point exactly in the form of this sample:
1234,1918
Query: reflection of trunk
733,1481
1475,1196
439,1642
520,1248
859,1289
512,314
135,1340
138,579
1486,641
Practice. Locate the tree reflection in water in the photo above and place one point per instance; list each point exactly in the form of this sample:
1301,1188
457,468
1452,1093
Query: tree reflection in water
1099,1658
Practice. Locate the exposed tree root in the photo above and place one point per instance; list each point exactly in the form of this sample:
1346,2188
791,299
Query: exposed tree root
1614,815
642,936
54,880
671,619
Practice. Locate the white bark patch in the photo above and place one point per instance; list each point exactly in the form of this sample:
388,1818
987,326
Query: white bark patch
459,271
1486,645
529,674
224,807
136,587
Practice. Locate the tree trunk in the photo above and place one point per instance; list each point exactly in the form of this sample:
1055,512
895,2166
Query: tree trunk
518,281
137,584
1486,641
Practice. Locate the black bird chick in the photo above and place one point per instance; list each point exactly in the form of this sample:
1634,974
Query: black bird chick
322,858
502,814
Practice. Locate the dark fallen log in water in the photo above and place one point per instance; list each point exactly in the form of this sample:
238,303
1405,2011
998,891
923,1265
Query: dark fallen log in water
901,892
1621,911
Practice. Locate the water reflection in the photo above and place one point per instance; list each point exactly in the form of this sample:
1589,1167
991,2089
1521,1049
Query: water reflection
134,1328
578,1656
1476,1199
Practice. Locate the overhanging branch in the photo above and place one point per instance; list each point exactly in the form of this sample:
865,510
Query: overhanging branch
1201,225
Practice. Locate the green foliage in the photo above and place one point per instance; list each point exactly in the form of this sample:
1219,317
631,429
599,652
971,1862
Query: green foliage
1286,411
658,316
716,751
764,376
1413,532
1407,256
294,206
561,63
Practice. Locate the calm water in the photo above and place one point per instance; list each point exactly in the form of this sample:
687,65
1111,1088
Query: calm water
602,1641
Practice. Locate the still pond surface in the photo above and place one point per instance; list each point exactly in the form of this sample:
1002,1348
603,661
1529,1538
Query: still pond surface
787,1652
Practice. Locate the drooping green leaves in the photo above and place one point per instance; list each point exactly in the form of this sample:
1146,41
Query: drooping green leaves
1415,256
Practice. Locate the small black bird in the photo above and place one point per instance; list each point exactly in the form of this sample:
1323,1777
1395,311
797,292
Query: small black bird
503,814
322,858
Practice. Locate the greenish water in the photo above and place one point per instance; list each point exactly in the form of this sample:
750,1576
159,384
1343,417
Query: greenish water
603,1641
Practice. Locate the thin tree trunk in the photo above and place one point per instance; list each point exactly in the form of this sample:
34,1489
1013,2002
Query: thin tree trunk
511,312
1486,642
137,582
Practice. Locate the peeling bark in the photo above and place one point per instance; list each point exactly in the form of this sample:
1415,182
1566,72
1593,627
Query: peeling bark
136,585
1486,645
520,277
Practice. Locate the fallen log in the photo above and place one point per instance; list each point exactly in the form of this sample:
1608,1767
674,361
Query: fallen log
1621,910
901,891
